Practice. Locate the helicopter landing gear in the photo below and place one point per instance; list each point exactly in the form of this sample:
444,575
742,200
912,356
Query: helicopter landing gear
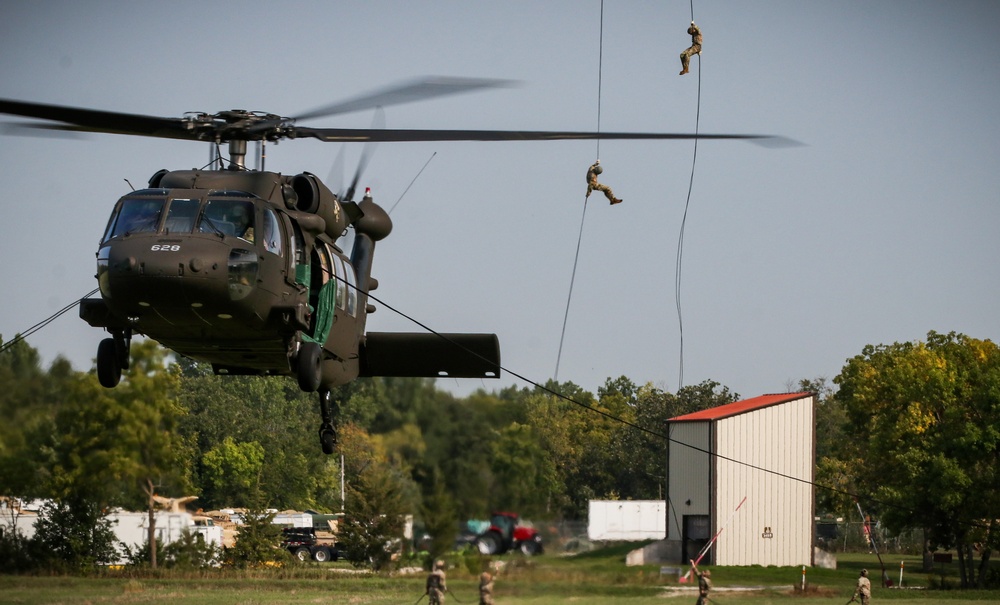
109,369
308,366
329,410
112,358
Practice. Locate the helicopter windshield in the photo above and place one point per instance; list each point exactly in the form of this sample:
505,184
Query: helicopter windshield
181,215
136,215
230,217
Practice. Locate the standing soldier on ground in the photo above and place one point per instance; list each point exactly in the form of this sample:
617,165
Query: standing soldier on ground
486,588
704,584
436,586
592,172
864,588
694,49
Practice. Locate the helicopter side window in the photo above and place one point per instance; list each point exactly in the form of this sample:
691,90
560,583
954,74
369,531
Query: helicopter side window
228,217
351,287
271,232
135,215
181,215
341,283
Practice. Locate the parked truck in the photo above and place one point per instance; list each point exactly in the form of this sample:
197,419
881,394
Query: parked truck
317,543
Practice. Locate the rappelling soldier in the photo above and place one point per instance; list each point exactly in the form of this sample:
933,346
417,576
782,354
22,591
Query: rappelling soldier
694,49
594,170
436,586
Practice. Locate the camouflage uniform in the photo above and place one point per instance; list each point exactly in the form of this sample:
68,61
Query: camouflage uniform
594,170
485,589
704,586
436,586
864,589
694,49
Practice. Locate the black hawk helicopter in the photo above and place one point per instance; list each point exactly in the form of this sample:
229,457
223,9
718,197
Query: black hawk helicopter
241,268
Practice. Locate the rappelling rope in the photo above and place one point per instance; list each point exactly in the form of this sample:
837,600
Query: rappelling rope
680,238
576,258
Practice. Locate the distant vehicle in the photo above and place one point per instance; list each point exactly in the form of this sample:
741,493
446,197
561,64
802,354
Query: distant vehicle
305,544
506,534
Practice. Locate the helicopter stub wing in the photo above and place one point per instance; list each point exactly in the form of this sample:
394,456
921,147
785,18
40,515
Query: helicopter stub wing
419,355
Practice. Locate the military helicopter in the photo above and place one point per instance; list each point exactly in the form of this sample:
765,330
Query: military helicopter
241,267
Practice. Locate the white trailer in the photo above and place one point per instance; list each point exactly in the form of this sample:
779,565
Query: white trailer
626,520
131,529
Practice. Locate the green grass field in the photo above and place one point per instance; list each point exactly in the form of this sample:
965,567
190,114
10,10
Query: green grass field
600,577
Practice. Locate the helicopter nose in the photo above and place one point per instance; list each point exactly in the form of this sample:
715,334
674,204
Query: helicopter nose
172,281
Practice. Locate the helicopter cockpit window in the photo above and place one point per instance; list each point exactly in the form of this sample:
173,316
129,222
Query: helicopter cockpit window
135,215
181,215
228,217
271,232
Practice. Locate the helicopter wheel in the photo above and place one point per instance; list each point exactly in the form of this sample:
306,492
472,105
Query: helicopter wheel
109,367
308,366
328,438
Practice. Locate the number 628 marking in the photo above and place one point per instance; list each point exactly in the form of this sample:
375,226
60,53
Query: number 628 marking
165,248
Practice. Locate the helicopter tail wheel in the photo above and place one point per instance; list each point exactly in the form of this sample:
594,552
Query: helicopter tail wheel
308,366
328,438
109,367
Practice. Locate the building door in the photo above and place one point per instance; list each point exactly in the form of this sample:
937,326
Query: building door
696,533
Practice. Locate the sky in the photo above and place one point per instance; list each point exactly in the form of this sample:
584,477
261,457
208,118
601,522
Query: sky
881,227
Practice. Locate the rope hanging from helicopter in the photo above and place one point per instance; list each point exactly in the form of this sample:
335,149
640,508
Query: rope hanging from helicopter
583,217
680,237
38,326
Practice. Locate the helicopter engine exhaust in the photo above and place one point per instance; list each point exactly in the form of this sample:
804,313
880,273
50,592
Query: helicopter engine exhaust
314,197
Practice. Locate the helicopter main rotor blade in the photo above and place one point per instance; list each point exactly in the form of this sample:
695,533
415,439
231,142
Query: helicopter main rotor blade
92,120
378,123
358,135
416,90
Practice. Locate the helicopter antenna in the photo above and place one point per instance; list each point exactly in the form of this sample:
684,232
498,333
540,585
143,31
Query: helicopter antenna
411,182
130,184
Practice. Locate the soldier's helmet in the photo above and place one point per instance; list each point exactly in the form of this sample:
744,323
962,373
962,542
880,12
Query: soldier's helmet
439,564
864,572
707,573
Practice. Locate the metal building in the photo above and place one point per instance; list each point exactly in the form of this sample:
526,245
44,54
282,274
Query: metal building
743,472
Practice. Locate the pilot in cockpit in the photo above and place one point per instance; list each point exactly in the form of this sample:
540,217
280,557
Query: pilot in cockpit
240,217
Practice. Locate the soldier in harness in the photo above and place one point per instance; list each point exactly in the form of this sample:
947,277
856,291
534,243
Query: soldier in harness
694,49
436,586
592,172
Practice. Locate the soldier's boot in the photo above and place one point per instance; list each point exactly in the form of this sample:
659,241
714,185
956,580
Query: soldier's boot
617,200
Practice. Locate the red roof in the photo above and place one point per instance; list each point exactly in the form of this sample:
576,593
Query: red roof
739,407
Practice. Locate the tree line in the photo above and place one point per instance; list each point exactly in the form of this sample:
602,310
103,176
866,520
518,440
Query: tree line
910,430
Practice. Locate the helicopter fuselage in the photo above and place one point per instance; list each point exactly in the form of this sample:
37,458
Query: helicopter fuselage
241,269
227,277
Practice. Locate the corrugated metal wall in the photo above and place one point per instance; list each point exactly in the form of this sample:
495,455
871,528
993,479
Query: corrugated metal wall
690,473
774,526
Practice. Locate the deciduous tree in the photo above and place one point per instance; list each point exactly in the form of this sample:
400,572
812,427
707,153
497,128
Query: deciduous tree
925,424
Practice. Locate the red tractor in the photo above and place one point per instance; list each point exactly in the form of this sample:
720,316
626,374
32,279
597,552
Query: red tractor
506,534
